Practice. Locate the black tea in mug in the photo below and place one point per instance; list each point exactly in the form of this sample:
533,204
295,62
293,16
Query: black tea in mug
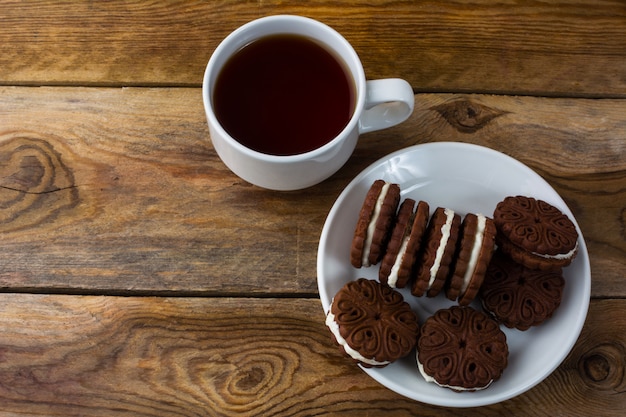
284,95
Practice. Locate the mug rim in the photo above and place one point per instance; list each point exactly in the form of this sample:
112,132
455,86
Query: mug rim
353,63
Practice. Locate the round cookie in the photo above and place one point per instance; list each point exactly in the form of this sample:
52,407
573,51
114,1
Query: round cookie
475,249
462,349
406,239
520,297
374,225
439,247
372,323
535,233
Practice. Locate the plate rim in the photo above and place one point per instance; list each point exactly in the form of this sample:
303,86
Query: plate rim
586,289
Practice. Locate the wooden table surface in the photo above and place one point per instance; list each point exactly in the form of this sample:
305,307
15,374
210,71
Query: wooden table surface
140,277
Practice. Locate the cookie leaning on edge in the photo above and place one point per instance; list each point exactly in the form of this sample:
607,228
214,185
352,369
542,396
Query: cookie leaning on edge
439,248
372,323
462,349
475,249
374,225
406,239
535,233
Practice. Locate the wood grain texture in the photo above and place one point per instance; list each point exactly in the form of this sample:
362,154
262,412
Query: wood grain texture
140,277
555,47
119,190
124,356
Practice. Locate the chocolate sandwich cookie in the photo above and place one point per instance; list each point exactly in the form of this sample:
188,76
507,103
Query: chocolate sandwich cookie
535,233
520,297
374,225
462,349
439,247
406,239
475,249
372,323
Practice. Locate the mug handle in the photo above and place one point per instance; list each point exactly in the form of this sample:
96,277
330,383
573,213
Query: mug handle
388,102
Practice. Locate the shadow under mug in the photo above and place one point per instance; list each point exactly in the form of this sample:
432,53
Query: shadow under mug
378,104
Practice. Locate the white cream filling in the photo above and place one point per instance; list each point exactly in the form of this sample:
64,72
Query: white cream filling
371,227
334,328
429,378
393,275
560,255
445,235
478,243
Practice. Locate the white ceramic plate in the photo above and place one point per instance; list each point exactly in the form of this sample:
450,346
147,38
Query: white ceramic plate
465,178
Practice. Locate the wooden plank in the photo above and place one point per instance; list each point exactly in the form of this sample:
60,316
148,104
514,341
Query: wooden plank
131,198
556,47
124,356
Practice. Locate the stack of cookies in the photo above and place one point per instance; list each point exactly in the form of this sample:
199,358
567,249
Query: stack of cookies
436,253
512,262
524,282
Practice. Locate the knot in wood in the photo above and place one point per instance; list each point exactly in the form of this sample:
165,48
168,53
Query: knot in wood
35,183
597,368
603,367
254,374
251,379
467,116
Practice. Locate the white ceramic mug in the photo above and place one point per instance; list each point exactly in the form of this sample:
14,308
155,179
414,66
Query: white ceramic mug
379,104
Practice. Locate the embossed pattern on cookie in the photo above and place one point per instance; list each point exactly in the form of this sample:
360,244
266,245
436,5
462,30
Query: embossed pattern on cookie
372,323
535,233
462,349
520,297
